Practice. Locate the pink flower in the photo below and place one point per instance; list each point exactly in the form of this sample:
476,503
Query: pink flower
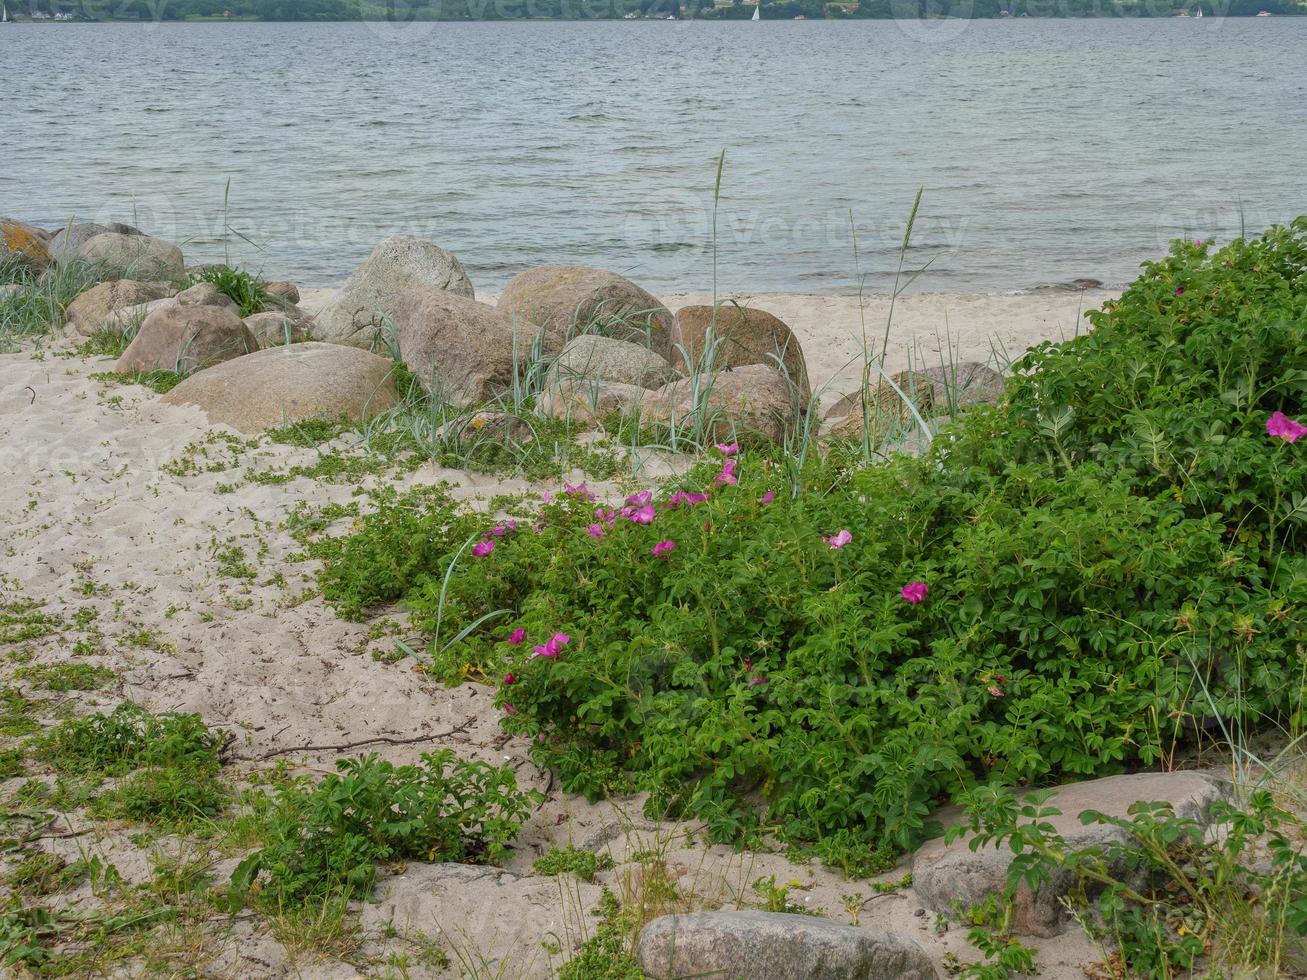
517,636
509,709
1179,290
728,448
546,496
681,497
483,548
640,515
640,499
915,592
995,691
509,680
552,648
727,475
662,548
595,530
1283,427
757,680
838,541
767,497
580,490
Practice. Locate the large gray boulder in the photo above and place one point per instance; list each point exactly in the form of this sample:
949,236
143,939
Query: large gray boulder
65,241
288,384
752,400
140,257
90,310
776,946
460,349
945,874
368,297
24,243
592,357
571,299
741,335
186,339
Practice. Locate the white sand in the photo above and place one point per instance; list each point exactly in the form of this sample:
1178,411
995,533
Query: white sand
93,509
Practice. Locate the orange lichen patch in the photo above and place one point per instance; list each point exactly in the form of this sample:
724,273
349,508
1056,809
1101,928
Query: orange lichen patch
20,241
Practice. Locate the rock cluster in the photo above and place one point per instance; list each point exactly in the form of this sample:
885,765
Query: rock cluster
585,343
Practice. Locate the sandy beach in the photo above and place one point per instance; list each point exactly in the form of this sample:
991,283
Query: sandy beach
152,524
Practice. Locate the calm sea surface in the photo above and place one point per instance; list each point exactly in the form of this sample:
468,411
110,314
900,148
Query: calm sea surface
1048,150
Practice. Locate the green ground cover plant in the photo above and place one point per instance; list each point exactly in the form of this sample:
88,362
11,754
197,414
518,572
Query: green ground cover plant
325,840
1073,583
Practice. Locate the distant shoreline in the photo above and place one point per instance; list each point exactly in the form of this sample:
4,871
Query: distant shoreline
732,14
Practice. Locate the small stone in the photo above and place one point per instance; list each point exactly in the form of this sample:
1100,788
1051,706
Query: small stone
205,294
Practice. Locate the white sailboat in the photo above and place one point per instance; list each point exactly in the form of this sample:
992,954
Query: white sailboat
4,14
757,11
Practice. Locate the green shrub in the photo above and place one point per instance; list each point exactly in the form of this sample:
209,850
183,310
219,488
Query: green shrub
1113,557
245,290
1166,895
328,839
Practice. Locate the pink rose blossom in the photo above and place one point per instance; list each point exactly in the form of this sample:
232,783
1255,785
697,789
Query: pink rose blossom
509,709
681,497
662,548
552,648
768,497
1283,427
1179,290
509,680
727,475
595,530
640,499
757,680
580,490
915,592
837,541
728,448
517,636
995,691
483,548
640,515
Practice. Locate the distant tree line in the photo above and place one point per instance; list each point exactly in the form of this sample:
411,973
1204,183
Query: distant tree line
460,10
